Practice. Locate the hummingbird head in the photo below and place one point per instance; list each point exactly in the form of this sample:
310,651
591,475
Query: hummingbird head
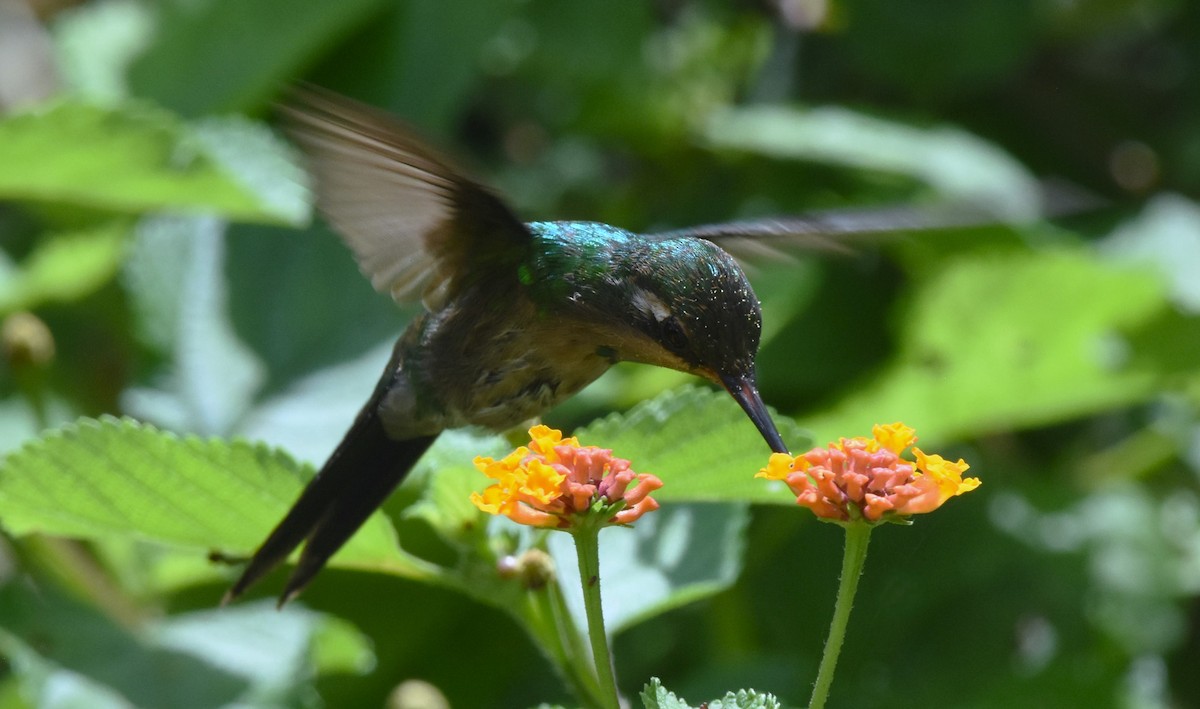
681,303
696,311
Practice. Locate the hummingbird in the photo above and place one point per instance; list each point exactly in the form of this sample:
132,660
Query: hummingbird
517,316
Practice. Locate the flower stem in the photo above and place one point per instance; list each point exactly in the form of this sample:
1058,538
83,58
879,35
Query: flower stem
853,557
587,548
548,620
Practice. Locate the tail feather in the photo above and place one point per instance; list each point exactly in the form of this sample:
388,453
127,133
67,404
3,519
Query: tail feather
364,469
351,509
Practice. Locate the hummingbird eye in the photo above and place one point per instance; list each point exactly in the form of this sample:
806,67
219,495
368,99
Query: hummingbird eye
673,335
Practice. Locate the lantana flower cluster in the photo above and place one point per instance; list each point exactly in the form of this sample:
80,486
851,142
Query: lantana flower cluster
552,481
868,479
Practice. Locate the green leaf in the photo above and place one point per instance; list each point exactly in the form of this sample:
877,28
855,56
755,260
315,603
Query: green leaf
656,696
699,442
253,157
298,299
136,158
67,655
117,478
1164,235
677,555
746,699
956,163
96,43
21,421
341,648
993,342
450,477
176,278
310,416
262,44
63,268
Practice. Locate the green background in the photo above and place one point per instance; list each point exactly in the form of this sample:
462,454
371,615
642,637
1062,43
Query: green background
158,233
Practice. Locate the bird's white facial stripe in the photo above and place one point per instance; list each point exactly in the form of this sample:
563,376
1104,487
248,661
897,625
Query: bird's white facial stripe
651,305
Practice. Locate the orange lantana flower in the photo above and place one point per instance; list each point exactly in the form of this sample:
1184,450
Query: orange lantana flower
552,480
868,479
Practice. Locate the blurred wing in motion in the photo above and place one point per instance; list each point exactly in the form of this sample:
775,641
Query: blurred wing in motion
838,231
417,225
833,231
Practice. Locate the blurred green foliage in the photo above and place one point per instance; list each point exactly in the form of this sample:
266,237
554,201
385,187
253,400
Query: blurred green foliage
154,227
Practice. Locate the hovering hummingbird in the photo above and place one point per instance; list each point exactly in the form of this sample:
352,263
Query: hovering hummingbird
517,316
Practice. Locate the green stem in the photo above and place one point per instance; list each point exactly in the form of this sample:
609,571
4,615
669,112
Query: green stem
587,548
550,623
858,535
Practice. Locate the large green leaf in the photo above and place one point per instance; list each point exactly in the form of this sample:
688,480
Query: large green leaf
252,656
118,478
137,158
699,442
991,342
955,162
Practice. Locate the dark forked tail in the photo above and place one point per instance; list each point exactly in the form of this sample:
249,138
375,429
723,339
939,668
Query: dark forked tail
366,467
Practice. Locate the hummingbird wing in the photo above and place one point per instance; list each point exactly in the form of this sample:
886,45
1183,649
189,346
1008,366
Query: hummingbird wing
416,224
829,231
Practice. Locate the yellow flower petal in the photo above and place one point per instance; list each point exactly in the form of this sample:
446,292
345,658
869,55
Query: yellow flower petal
894,436
505,467
947,475
542,482
543,439
493,500
779,466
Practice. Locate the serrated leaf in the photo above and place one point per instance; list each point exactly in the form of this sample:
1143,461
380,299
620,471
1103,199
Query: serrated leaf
19,421
118,478
699,442
132,158
656,696
63,268
745,699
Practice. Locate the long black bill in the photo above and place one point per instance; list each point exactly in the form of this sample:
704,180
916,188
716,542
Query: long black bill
744,390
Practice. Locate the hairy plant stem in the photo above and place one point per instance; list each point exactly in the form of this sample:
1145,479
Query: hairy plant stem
587,549
854,556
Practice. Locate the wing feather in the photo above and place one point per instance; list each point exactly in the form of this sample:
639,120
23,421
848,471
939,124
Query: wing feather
832,231
416,224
